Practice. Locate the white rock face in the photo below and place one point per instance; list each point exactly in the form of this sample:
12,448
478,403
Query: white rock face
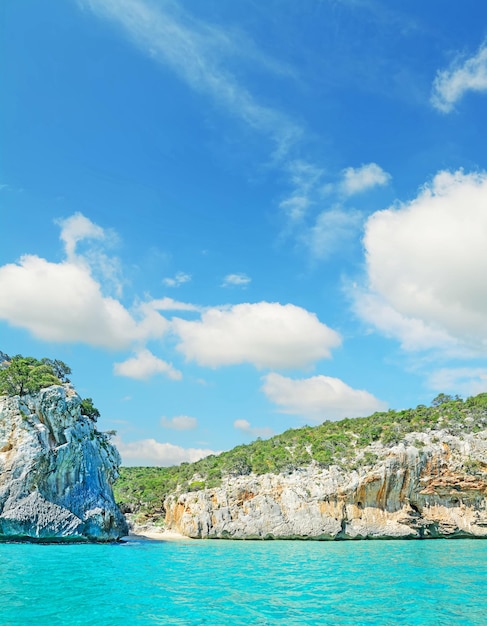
56,471
439,490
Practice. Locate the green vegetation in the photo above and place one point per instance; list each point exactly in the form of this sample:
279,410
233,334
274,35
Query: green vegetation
21,375
88,409
343,443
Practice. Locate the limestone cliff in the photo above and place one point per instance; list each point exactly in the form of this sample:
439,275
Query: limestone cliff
431,484
56,471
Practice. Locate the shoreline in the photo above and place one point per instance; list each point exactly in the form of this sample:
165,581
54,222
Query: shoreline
154,534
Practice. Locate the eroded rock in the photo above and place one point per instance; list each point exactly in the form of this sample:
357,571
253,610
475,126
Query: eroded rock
408,493
56,471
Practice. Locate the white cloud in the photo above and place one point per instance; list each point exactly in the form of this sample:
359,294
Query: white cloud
305,177
168,304
426,266
236,280
62,302
180,422
413,333
264,334
152,452
326,232
450,85
179,279
332,231
319,398
145,365
76,228
200,55
254,431
356,180
466,381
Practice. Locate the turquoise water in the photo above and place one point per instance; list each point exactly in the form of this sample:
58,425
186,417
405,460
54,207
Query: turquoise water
232,583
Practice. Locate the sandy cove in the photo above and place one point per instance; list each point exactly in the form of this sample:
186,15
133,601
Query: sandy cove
154,534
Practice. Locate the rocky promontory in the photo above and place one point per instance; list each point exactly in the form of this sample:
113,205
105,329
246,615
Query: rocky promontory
56,470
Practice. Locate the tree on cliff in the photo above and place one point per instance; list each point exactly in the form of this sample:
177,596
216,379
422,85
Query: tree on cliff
28,375
88,409
58,368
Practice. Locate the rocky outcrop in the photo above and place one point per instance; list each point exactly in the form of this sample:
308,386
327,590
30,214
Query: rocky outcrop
431,485
56,471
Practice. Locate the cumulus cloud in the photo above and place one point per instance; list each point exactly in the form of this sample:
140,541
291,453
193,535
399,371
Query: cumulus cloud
180,422
176,281
426,264
319,398
64,302
264,334
413,333
144,365
244,426
236,280
452,84
356,180
153,452
465,381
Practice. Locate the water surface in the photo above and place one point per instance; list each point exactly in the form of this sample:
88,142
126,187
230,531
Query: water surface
249,582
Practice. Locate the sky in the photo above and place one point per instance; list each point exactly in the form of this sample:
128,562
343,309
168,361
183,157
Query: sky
235,218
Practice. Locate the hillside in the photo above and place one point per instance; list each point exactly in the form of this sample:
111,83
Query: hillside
351,446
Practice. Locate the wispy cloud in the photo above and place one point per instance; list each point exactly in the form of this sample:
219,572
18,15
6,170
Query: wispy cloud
332,231
236,280
305,179
316,212
462,76
176,281
205,56
180,422
168,304
77,228
199,54
244,426
463,380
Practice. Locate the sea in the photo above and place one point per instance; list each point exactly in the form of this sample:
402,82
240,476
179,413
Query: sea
192,582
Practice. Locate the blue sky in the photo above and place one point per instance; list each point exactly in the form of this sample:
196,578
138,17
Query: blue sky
235,218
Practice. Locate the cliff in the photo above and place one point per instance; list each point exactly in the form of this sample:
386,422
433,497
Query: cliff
429,485
56,470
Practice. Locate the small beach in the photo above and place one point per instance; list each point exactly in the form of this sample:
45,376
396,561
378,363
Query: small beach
156,534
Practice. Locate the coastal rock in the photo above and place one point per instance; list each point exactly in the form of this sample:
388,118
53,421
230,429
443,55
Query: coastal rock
430,485
56,471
